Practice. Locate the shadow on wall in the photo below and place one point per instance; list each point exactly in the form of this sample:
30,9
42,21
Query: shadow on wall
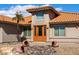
10,31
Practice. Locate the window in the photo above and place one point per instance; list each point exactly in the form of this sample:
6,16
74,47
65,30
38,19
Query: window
39,15
44,30
27,31
59,30
35,30
40,30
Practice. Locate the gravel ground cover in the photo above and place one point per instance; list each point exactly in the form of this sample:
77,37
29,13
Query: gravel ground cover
63,49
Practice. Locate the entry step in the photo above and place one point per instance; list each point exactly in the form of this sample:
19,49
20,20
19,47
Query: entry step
39,43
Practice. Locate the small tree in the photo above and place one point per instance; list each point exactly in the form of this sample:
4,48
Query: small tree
18,17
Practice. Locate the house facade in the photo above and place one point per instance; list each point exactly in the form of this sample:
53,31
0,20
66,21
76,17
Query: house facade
44,25
50,25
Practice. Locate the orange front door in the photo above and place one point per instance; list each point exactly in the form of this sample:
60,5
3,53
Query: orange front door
39,33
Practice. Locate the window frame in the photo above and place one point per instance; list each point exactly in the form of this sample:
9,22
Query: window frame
59,27
38,16
26,31
34,30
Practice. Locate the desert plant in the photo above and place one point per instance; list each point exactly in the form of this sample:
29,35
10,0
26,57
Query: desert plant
54,44
23,38
18,17
26,43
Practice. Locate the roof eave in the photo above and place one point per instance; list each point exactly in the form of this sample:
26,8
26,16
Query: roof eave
66,22
31,10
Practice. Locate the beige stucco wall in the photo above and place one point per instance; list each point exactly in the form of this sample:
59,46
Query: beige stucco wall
8,33
0,34
46,17
71,34
44,21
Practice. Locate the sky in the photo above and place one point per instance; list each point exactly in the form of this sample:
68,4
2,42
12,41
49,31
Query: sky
11,9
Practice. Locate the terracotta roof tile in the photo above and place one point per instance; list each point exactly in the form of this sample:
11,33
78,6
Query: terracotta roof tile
27,20
65,17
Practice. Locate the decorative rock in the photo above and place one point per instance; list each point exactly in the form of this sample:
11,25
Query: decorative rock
39,50
30,50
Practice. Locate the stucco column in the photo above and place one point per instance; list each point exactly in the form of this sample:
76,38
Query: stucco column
46,18
32,28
